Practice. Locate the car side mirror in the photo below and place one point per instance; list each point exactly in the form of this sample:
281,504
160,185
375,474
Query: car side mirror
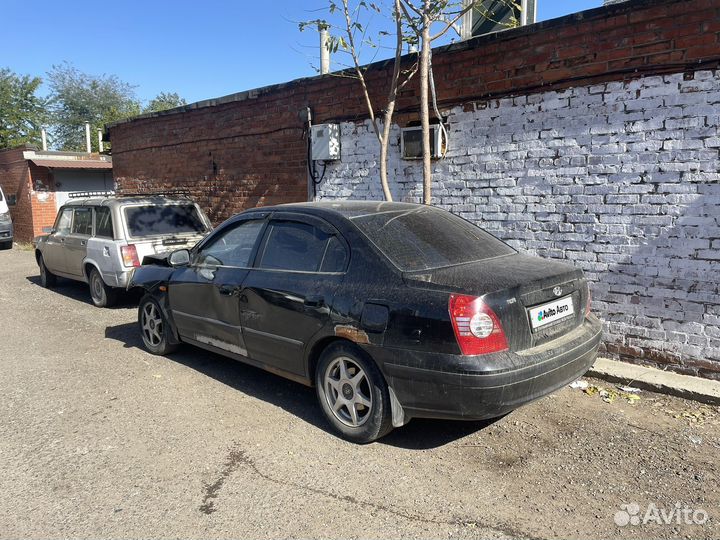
181,257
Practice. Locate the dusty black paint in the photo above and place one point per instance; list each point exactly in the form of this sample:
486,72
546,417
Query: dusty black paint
273,319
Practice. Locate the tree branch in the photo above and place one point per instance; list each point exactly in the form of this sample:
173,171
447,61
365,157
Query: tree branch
358,70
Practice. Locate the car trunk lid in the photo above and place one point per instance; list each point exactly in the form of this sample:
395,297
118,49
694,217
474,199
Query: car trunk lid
537,300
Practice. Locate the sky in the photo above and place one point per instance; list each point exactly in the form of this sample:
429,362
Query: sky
199,49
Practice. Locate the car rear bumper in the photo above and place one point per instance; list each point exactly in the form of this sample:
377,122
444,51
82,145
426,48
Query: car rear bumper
118,279
473,388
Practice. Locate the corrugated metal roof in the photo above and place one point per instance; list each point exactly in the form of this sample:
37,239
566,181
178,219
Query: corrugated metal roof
73,163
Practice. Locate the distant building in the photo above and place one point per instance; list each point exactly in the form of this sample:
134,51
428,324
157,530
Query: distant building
37,183
496,15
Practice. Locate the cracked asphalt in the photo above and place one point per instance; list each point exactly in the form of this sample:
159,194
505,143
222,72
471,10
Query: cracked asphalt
100,439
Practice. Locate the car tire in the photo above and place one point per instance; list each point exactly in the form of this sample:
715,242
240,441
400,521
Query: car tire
153,327
353,394
102,295
6,245
47,278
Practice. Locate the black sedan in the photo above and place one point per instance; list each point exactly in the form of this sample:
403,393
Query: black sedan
391,310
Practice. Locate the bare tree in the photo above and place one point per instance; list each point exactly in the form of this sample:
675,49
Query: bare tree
417,22
345,38
425,17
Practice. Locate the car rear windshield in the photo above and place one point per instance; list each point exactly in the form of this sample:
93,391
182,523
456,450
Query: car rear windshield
153,220
427,238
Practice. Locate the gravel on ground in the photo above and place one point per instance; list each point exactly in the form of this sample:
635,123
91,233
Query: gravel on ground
98,438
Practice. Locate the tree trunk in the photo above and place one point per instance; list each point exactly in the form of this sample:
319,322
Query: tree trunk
384,142
424,102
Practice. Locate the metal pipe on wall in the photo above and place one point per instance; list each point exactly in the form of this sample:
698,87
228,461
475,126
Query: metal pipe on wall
324,51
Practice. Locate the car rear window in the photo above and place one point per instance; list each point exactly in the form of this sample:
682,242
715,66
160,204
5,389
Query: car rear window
426,238
154,220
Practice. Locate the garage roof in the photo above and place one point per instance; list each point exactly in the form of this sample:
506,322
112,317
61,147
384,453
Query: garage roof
73,163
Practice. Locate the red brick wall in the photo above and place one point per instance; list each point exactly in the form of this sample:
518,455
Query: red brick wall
35,192
15,180
249,149
44,208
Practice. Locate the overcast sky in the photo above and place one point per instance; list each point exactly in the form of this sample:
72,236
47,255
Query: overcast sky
201,49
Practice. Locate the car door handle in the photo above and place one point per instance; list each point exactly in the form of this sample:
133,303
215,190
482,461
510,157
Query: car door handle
229,290
314,301
83,242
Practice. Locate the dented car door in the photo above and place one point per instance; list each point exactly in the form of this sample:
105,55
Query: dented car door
286,297
204,297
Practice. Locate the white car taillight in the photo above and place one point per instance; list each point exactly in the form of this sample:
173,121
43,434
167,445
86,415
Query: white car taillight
129,255
477,328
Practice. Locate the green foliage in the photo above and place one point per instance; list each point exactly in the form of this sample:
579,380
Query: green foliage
22,111
164,101
77,98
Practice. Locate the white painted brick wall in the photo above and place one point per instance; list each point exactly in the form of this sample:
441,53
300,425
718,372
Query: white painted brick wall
621,179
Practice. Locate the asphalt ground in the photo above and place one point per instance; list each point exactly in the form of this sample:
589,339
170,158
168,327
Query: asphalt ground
98,438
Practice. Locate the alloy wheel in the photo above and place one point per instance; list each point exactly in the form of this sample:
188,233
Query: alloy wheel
152,324
348,392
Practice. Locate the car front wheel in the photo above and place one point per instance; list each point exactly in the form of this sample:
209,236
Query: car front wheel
353,394
101,294
153,327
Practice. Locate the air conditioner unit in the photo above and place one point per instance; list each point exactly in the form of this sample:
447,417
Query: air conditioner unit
411,142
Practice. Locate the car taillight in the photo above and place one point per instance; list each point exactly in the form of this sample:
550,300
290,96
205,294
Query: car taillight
477,328
129,255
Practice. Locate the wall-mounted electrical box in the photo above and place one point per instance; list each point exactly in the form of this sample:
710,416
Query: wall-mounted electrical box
411,142
325,142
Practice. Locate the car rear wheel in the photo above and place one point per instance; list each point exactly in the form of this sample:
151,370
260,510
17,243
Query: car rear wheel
101,294
6,245
353,394
47,279
153,327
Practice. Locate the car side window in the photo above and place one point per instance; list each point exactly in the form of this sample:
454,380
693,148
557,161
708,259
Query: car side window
336,256
64,221
103,222
297,246
82,222
232,247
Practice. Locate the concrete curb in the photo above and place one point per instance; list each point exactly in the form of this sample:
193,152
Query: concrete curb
655,380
